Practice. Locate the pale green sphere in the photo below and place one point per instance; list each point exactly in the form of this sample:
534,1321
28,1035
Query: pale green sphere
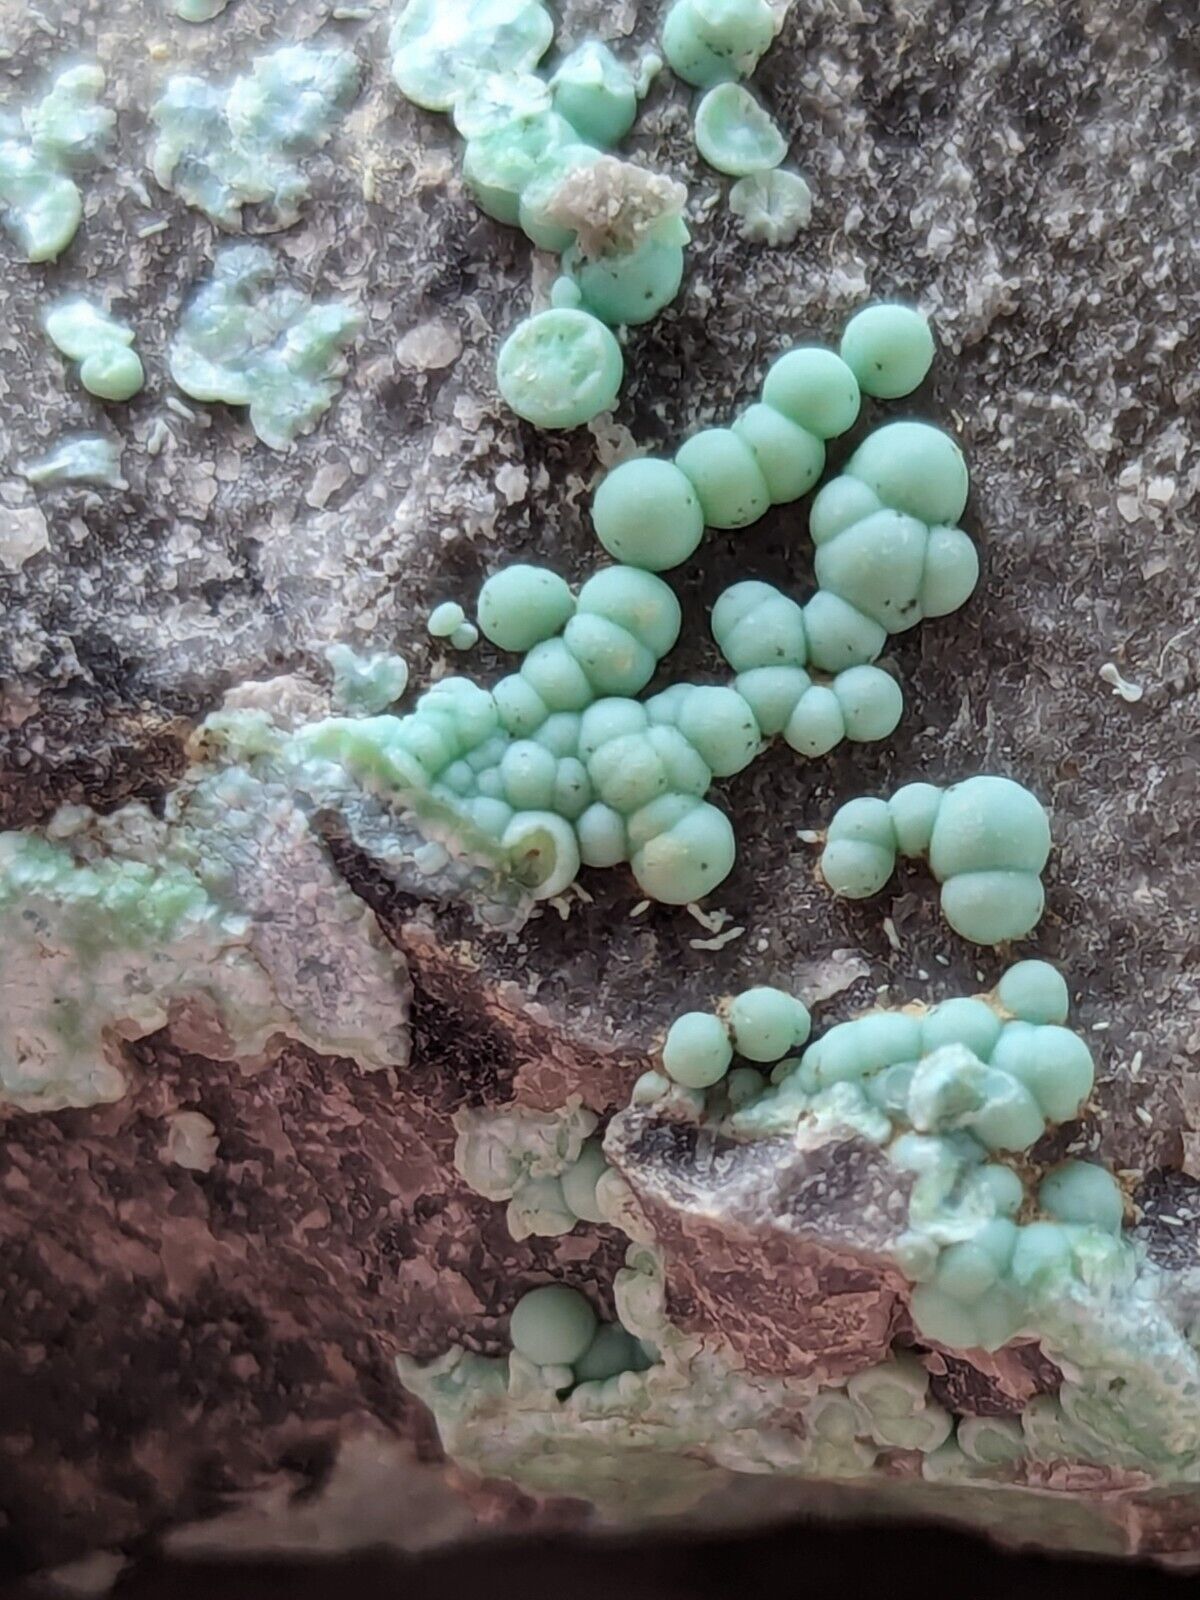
987,824
914,809
689,858
647,514
596,93
521,605
114,373
838,635
951,572
528,771
772,693
614,660
815,389
697,1051
914,468
889,349
993,907
720,726
816,724
871,703
860,853
1034,991
711,41
961,1021
444,618
768,1023
552,1326
755,625
790,458
734,134
637,601
611,1351
628,289
560,368
1054,1064
603,841
579,1182
726,477
1083,1193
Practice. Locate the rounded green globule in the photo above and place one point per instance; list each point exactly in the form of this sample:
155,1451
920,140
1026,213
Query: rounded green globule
860,853
689,858
552,1326
1054,1064
951,572
610,718
115,373
871,703
647,514
579,1182
838,635
697,1051
914,468
438,49
728,480
490,101
637,601
987,824
630,288
993,907
560,368
1084,1193
465,636
889,349
528,771
543,852
876,566
521,605
1034,991
755,625
713,41
841,503
613,1350
773,206
596,93
603,841
540,192
734,134
790,458
559,680
520,707
914,809
961,1021
772,693
816,724
444,618
815,389
498,166
767,1023
720,726
616,663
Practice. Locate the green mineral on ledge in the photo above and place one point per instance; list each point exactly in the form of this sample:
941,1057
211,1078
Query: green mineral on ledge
40,203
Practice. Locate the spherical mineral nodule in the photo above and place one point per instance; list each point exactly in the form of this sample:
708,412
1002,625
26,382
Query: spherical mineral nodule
631,288
1084,1193
560,368
647,514
444,618
611,1351
773,206
889,349
1034,991
552,1326
726,477
871,702
767,1023
697,1051
790,458
579,1182
815,388
115,373
689,858
521,605
735,134
914,468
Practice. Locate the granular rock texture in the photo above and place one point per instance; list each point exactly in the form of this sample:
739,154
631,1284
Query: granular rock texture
183,1346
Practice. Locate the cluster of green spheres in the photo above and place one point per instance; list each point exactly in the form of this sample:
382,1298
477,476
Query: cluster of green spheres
987,840
555,1326
109,367
760,1024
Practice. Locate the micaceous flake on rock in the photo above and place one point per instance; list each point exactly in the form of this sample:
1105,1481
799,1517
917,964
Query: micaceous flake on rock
224,147
244,341
81,458
39,149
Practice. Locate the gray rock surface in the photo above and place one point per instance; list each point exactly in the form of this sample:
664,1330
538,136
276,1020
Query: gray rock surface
180,1343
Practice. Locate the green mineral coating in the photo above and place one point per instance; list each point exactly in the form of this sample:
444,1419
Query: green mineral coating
560,368
552,1326
438,46
1082,1192
987,840
224,147
734,134
1034,991
40,203
521,605
82,458
767,1024
815,389
366,685
889,349
245,342
444,618
646,513
109,367
772,206
596,93
628,288
915,469
697,1051
611,1351
708,42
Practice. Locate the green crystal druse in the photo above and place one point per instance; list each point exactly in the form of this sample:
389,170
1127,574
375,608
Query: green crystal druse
40,150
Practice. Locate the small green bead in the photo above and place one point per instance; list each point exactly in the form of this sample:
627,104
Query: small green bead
613,1350
603,841
572,788
543,852
689,859
961,1021
697,1052
647,514
112,374
552,1326
438,49
816,724
1042,1252
560,733
951,572
559,680
712,41
889,349
728,480
628,773
734,134
772,693
616,663
1054,1063
857,1049
560,368
840,504
520,707
871,703
838,635
631,288
855,866
790,458
1083,1193
465,636
596,93
720,725
773,206
987,824
993,907
1034,991
579,1182
877,567
521,605
914,810
757,626
528,772
490,101
607,719
815,389
637,601
497,167
768,1023
914,468
444,618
